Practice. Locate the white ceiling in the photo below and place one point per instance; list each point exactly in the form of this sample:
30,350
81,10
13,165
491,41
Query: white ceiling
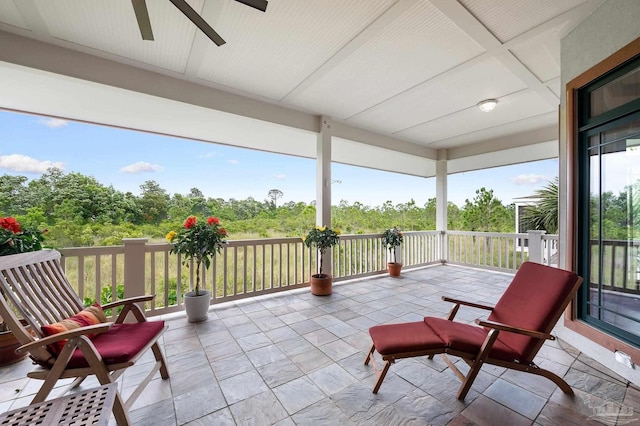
401,75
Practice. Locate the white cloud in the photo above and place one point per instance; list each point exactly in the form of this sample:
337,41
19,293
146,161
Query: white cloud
53,123
141,167
207,155
280,176
233,162
530,179
22,163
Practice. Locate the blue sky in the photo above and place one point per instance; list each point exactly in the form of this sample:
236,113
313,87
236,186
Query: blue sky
125,159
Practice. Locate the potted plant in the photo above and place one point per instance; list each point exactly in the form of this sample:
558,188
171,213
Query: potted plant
321,238
15,240
198,242
392,238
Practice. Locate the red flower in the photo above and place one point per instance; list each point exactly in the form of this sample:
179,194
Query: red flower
213,220
222,231
11,224
191,220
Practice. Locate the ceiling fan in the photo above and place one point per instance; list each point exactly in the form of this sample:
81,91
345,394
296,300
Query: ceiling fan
142,16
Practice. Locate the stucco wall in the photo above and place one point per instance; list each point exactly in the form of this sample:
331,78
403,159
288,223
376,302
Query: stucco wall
609,28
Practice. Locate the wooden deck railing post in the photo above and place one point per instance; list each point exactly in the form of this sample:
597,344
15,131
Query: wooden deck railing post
134,266
535,245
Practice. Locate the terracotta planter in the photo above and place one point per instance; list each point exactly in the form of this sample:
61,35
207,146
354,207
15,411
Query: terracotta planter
197,307
8,346
321,284
394,268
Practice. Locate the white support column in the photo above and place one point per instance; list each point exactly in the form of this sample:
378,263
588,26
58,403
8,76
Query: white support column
323,174
323,183
442,201
535,246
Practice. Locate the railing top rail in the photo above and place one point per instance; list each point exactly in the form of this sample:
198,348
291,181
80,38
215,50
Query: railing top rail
489,234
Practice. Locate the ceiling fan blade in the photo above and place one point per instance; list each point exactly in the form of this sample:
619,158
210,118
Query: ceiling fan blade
198,21
256,4
142,16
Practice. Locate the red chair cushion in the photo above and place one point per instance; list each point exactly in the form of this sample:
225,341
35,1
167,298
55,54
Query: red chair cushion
403,338
532,301
469,338
89,316
121,343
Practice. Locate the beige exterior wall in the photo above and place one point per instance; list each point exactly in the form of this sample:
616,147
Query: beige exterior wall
605,31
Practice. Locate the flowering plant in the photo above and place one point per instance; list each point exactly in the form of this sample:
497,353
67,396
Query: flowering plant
322,238
392,238
198,242
14,239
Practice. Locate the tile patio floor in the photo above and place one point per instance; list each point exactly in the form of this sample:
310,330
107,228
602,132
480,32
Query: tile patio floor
295,358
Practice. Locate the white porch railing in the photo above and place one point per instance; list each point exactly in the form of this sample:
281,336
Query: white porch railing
247,268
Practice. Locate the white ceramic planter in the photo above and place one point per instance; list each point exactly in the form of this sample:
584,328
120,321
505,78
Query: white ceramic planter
197,307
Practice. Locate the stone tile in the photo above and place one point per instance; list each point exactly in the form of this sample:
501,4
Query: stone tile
306,326
181,346
190,379
519,400
555,414
485,411
359,403
279,372
198,403
354,365
235,320
281,334
320,337
261,409
231,366
219,418
323,413
266,355
242,386
342,329
310,360
242,330
331,379
295,346
416,407
160,413
338,350
254,341
216,338
298,394
222,351
157,390
292,318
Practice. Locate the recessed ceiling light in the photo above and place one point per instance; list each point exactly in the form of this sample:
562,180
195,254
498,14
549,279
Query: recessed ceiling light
487,105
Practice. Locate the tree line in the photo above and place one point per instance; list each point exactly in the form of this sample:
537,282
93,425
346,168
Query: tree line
77,210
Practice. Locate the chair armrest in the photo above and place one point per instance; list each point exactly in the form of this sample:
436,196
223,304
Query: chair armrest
128,301
512,329
80,331
465,303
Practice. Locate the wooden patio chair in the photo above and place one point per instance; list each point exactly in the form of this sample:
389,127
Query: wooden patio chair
512,335
34,287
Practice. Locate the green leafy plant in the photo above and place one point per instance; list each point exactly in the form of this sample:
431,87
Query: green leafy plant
106,296
392,238
14,239
321,238
198,242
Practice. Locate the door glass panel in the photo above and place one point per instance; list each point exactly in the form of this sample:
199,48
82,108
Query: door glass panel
614,232
620,91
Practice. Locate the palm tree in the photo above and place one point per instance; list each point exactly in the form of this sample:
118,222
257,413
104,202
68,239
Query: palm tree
544,214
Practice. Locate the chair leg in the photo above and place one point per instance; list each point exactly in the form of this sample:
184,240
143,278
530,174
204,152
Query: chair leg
369,355
564,386
157,352
477,364
381,376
